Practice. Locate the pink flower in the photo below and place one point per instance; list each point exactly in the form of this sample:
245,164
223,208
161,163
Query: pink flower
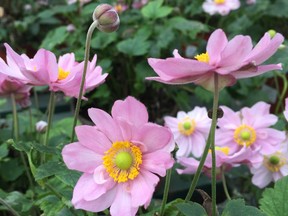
286,109
190,131
231,60
225,160
82,2
41,126
222,7
250,2
43,69
249,128
120,159
10,86
272,167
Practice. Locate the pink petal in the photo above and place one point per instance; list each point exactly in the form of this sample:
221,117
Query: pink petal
106,124
93,139
261,177
78,157
260,70
131,110
177,68
265,48
157,162
198,144
235,51
122,205
98,205
216,44
230,120
190,164
142,188
184,144
153,137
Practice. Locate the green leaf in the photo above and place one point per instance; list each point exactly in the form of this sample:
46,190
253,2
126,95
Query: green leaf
237,208
55,37
69,177
102,40
278,9
154,10
3,150
20,146
48,169
188,209
133,47
11,170
274,201
44,149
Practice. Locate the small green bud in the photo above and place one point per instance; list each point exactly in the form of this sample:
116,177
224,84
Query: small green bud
272,33
10,141
107,17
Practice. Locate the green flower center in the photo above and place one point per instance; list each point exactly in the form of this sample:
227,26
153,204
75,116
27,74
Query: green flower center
274,160
245,135
123,160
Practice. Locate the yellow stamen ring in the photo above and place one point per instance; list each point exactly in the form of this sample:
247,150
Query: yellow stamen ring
187,126
225,150
245,135
62,74
274,162
122,161
219,1
204,57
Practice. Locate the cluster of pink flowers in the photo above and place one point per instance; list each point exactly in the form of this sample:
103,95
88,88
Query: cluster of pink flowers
20,73
222,7
243,137
120,6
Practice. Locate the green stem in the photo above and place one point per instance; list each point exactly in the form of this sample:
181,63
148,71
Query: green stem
31,120
208,143
16,137
36,99
166,191
283,93
212,146
13,211
50,116
86,59
225,185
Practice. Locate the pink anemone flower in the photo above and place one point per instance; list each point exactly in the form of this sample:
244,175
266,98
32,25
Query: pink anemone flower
190,131
249,128
43,69
222,7
20,90
271,168
285,112
120,159
231,60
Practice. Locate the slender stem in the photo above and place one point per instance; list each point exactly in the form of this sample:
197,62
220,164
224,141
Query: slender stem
13,211
36,98
16,137
208,143
225,185
86,59
166,191
213,128
283,93
30,119
50,116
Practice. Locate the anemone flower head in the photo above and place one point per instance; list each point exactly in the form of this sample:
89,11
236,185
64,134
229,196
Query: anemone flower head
190,131
222,7
272,167
70,76
9,86
249,128
43,69
231,60
120,159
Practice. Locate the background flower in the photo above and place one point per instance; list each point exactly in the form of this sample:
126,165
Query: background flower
222,7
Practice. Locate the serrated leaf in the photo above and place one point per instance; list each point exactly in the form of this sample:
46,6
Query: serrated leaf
274,201
11,170
3,150
55,37
42,148
102,40
188,209
48,169
21,146
69,177
238,208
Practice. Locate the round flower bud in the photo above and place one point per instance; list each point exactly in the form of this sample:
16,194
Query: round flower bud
41,126
107,17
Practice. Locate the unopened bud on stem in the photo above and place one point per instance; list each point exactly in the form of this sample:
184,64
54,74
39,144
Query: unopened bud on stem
107,17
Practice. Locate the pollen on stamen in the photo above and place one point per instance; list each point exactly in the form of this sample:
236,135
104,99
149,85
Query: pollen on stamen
204,57
62,74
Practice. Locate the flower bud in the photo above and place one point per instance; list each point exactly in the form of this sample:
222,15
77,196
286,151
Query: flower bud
107,17
41,126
